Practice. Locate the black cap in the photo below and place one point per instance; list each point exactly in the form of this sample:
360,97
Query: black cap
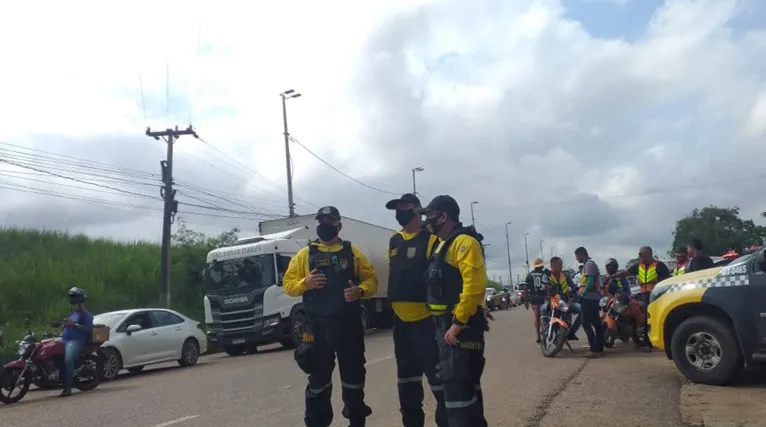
330,211
444,204
406,198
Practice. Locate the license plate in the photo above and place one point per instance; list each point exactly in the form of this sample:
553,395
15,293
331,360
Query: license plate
239,341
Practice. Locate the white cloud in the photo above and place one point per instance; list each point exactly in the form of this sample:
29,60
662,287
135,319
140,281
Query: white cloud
509,103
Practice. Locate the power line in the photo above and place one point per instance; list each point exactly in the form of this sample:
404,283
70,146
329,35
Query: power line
340,171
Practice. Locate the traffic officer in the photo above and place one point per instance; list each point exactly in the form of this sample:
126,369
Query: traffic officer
414,347
457,279
648,272
682,259
332,275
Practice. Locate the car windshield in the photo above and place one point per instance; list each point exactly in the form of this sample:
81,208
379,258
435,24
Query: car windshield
247,273
109,319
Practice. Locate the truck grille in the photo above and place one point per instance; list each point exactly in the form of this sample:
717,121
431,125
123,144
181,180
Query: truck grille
236,319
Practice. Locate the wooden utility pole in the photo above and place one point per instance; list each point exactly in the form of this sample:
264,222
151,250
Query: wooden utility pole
171,205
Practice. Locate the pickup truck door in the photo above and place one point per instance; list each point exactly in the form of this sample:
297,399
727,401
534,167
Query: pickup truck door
758,288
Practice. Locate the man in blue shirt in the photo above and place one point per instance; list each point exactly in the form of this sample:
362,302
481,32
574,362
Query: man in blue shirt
76,334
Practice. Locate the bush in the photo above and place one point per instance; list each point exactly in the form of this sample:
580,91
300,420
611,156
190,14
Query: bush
38,267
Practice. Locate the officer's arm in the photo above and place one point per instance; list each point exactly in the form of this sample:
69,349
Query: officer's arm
368,279
663,272
294,282
466,252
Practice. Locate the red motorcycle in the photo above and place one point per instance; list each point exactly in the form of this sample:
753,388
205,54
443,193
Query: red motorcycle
41,361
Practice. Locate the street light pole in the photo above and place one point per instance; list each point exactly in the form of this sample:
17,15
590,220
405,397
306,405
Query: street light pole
526,250
473,219
542,254
414,187
508,247
288,94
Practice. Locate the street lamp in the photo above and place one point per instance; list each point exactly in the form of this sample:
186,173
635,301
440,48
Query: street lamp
473,219
526,250
414,188
288,94
542,255
508,247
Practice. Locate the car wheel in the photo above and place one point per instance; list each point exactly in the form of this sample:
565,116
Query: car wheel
112,364
136,370
189,353
706,351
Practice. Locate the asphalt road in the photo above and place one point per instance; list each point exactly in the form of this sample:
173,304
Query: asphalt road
521,388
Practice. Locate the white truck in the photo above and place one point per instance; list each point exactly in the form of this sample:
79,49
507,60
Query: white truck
245,305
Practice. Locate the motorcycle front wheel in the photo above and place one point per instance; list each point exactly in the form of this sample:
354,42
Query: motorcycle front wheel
552,339
10,381
88,373
609,337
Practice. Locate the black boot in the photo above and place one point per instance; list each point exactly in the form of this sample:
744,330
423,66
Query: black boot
66,393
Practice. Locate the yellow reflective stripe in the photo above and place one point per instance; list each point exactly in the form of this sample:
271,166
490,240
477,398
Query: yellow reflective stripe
437,307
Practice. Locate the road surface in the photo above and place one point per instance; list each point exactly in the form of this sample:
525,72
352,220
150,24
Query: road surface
521,388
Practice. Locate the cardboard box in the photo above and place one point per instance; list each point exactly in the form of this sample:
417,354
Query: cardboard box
100,333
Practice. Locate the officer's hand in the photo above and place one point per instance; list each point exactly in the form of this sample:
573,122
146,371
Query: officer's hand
451,336
315,280
352,293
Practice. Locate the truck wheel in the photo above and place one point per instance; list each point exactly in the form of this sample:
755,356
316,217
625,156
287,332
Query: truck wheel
706,351
235,350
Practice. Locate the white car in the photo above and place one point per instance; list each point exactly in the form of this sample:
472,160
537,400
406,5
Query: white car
147,337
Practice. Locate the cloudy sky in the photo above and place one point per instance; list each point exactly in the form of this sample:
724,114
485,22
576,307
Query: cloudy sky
581,122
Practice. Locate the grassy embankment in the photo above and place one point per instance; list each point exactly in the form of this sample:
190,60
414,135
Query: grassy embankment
38,267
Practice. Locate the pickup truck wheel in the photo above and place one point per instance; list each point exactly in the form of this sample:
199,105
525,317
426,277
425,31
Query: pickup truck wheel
706,351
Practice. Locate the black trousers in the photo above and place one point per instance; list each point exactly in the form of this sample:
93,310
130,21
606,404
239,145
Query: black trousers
417,354
591,322
342,336
460,369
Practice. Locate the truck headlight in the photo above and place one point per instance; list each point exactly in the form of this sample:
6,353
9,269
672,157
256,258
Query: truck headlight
270,323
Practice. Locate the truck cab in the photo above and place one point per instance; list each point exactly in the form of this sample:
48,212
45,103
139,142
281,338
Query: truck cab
245,305
712,323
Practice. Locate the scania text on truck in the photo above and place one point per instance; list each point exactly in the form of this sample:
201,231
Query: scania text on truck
245,305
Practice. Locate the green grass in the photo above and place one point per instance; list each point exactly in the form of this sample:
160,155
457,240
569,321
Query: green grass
38,267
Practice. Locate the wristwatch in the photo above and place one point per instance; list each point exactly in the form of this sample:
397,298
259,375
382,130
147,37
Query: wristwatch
457,322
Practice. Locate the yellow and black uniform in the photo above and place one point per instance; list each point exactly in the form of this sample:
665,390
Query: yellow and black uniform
333,327
648,276
680,269
457,281
415,350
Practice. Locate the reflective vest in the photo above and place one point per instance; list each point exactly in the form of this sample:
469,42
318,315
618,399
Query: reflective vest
339,268
408,262
647,276
444,281
680,269
561,282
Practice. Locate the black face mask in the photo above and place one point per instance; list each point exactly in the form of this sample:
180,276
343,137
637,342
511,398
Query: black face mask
433,226
405,217
327,232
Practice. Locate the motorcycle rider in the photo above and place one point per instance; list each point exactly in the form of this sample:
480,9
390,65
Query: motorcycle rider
615,284
333,276
562,285
416,354
536,286
457,280
75,335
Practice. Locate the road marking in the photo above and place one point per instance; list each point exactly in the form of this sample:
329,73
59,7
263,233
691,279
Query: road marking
382,359
176,421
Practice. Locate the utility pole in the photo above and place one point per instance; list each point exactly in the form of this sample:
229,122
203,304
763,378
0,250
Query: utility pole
508,248
171,205
414,187
526,250
473,219
518,280
288,94
542,255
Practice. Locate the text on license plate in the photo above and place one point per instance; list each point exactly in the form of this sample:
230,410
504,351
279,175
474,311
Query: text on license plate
238,341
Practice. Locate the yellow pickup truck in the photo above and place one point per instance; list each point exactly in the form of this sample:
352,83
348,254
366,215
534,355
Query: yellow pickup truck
712,323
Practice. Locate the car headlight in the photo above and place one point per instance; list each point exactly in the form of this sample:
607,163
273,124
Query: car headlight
657,292
563,306
603,302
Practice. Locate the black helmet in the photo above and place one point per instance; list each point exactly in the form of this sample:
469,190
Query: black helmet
76,296
612,261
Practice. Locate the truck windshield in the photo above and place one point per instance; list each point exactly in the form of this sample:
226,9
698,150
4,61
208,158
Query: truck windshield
240,274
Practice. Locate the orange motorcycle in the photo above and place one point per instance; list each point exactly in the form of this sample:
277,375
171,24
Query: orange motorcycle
623,318
555,327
